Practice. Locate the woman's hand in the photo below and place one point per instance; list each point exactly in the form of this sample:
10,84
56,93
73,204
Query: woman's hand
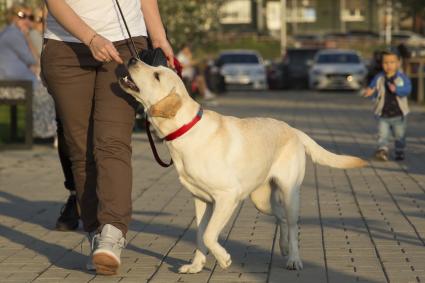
103,50
167,49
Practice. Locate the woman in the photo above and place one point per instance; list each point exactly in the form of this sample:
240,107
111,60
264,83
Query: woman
86,45
19,60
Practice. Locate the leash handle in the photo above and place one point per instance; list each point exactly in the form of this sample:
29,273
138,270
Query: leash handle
128,30
152,144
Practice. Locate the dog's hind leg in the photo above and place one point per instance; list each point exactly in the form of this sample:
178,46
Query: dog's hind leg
223,209
289,181
266,199
279,212
203,212
261,198
289,228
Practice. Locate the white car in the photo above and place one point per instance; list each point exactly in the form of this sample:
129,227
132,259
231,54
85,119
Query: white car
337,69
408,38
242,68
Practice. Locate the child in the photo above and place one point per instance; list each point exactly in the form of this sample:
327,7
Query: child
390,89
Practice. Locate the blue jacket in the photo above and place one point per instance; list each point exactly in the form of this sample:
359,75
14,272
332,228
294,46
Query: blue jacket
15,56
403,89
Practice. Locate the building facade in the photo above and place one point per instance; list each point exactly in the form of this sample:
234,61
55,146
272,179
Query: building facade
305,16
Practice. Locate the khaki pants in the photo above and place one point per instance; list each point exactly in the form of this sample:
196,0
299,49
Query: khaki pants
97,119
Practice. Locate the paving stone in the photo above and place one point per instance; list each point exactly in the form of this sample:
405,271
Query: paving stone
361,225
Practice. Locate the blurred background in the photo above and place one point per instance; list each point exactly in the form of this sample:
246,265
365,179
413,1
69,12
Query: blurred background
279,45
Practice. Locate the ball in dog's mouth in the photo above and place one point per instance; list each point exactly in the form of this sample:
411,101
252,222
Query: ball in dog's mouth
128,82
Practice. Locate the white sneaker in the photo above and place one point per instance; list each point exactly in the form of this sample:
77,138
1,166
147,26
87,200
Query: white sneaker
107,247
209,95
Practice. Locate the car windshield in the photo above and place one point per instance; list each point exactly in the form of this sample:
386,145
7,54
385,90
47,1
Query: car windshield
342,58
238,59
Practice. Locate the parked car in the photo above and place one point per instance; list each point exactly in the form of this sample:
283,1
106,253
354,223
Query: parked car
408,38
242,68
296,64
337,69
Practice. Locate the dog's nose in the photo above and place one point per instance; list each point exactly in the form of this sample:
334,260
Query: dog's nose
132,61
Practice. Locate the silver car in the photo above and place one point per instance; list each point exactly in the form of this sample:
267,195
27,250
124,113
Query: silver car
242,68
337,69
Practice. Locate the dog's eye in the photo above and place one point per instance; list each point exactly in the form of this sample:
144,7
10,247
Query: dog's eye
156,75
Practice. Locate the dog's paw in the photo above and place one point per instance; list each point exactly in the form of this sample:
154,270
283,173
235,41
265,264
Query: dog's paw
191,268
224,261
294,264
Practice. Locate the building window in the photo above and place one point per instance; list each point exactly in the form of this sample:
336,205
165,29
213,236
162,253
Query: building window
297,11
301,11
353,10
236,12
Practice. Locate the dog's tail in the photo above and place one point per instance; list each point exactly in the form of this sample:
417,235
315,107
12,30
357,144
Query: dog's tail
324,157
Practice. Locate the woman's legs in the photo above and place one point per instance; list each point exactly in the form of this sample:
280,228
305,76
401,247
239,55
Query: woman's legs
97,118
114,115
69,215
70,73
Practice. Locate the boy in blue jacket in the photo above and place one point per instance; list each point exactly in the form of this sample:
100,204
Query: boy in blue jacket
390,89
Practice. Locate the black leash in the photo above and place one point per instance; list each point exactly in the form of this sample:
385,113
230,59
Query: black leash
128,30
151,142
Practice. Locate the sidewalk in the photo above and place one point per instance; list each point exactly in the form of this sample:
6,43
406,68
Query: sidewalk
363,225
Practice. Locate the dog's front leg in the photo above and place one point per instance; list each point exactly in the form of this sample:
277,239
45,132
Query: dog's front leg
203,212
223,210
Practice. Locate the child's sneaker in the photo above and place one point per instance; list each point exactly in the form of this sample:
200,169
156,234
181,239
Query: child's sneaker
108,245
399,156
381,154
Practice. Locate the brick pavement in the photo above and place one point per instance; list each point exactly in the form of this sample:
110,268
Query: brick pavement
363,225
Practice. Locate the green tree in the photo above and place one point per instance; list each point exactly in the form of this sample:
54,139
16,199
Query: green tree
416,10
190,21
187,21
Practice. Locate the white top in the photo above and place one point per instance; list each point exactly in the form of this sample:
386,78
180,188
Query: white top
104,17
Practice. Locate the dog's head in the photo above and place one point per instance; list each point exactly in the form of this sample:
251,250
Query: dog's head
159,89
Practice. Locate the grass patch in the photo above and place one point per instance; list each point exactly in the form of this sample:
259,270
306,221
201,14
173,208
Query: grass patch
5,124
269,48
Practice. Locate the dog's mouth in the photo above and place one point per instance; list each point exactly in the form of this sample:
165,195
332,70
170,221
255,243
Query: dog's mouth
128,82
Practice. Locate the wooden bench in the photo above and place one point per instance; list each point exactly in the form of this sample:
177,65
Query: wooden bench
14,93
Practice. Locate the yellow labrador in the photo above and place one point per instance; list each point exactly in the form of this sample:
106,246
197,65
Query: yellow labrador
222,160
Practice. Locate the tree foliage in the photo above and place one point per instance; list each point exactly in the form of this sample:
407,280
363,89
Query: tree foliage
417,5
186,21
190,21
414,9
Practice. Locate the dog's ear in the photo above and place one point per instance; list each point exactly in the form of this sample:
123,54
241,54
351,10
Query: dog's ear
166,107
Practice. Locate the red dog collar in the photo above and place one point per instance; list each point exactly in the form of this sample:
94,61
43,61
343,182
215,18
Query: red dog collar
185,128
